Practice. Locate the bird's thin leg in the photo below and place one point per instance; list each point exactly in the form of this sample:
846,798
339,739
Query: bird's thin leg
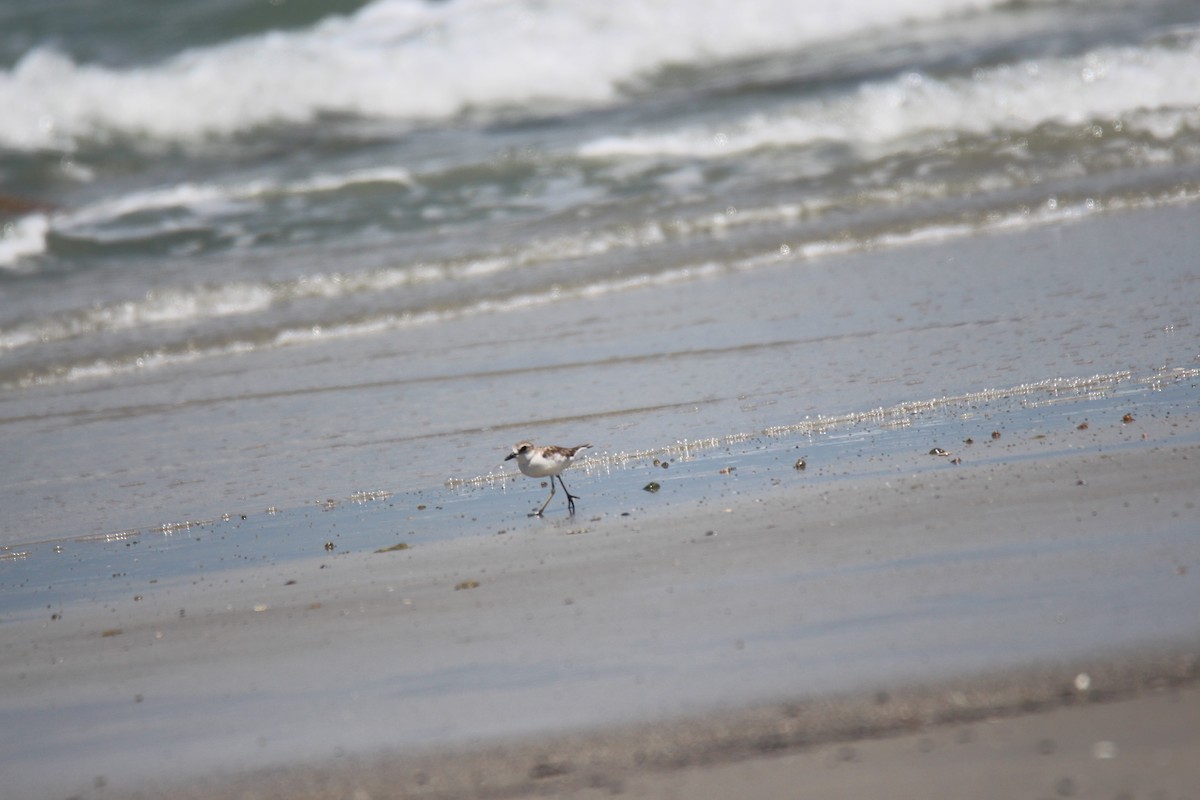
538,513
571,498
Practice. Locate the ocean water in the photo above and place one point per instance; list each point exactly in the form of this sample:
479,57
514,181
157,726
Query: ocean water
259,254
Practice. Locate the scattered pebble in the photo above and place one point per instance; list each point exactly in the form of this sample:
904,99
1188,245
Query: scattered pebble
111,632
1128,418
727,470
801,464
651,487
937,451
995,434
465,585
393,548
968,441
1083,426
330,546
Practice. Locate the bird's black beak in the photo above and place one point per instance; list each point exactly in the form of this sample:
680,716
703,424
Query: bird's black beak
510,456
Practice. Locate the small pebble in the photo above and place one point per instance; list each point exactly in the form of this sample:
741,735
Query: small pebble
801,464
651,487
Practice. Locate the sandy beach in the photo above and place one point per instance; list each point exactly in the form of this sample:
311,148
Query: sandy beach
659,652
984,593
881,325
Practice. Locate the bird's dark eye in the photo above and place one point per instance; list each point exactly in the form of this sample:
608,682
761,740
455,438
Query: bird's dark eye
524,449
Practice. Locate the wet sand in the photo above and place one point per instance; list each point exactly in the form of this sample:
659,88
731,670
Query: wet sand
858,625
1034,735
640,653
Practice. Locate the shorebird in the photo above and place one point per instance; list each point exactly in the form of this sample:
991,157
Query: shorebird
540,462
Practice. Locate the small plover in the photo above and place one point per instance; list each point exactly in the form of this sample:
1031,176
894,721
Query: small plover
540,462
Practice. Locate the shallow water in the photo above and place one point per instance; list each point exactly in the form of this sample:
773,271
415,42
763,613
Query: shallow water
735,351
257,258
999,428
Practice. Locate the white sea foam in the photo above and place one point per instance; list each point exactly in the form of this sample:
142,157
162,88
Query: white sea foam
212,197
203,303
25,237
1150,89
235,299
411,59
22,238
155,308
